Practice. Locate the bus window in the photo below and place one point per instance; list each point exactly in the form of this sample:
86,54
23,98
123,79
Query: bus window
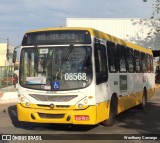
28,66
143,61
137,58
148,63
121,58
100,63
71,66
112,56
152,70
130,59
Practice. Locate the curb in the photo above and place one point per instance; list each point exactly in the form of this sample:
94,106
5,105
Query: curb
8,97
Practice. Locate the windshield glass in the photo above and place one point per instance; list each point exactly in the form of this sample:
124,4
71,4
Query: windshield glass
56,68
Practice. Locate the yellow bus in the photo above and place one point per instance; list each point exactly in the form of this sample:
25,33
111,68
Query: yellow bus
81,76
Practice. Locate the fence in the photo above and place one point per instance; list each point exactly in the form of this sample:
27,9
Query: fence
8,79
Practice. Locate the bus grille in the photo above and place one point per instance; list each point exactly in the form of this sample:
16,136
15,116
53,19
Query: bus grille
53,98
57,106
50,116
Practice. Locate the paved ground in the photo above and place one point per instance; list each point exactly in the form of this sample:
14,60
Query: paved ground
8,95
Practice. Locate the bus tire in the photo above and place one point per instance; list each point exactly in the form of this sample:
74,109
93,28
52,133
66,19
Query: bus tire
112,113
144,100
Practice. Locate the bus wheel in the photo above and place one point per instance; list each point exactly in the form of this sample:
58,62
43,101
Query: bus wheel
144,100
112,113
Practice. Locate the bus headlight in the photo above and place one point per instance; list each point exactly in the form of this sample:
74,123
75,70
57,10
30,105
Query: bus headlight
83,103
23,100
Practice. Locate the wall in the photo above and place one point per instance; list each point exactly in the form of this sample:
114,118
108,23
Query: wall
3,52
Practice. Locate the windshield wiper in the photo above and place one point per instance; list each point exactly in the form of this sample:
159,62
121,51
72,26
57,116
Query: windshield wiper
67,54
65,58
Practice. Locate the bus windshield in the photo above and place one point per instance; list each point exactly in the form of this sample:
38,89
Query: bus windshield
56,68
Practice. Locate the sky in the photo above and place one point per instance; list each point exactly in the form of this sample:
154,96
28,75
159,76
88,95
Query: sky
19,16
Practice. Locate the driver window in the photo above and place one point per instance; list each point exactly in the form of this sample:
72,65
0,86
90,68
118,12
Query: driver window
100,63
112,56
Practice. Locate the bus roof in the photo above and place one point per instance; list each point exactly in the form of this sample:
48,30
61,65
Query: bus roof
101,35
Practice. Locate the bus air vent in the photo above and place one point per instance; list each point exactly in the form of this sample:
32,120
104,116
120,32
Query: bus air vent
53,98
50,116
57,106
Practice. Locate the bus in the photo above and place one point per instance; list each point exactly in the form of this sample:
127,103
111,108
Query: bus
73,75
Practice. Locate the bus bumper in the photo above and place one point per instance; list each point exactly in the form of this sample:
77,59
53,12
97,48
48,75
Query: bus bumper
86,116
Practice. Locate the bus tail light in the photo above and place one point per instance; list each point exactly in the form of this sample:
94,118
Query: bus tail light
81,117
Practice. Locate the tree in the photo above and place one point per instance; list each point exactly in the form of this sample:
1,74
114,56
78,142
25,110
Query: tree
151,26
154,20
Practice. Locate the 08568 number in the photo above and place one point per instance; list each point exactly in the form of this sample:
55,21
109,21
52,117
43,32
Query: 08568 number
75,76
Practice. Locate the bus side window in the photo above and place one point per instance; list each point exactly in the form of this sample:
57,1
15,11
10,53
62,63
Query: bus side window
148,63
143,62
121,58
112,56
130,59
100,63
137,58
151,58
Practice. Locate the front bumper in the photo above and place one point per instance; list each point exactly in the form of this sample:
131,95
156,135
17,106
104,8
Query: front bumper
66,116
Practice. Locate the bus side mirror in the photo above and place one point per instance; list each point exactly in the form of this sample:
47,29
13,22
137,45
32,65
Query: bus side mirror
14,56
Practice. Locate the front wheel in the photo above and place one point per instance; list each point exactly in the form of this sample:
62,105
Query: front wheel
112,113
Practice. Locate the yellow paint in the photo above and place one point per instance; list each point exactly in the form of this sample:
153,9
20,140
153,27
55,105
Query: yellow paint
103,111
96,113
123,103
24,114
150,93
131,100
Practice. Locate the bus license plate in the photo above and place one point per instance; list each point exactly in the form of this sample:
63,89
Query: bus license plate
81,117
